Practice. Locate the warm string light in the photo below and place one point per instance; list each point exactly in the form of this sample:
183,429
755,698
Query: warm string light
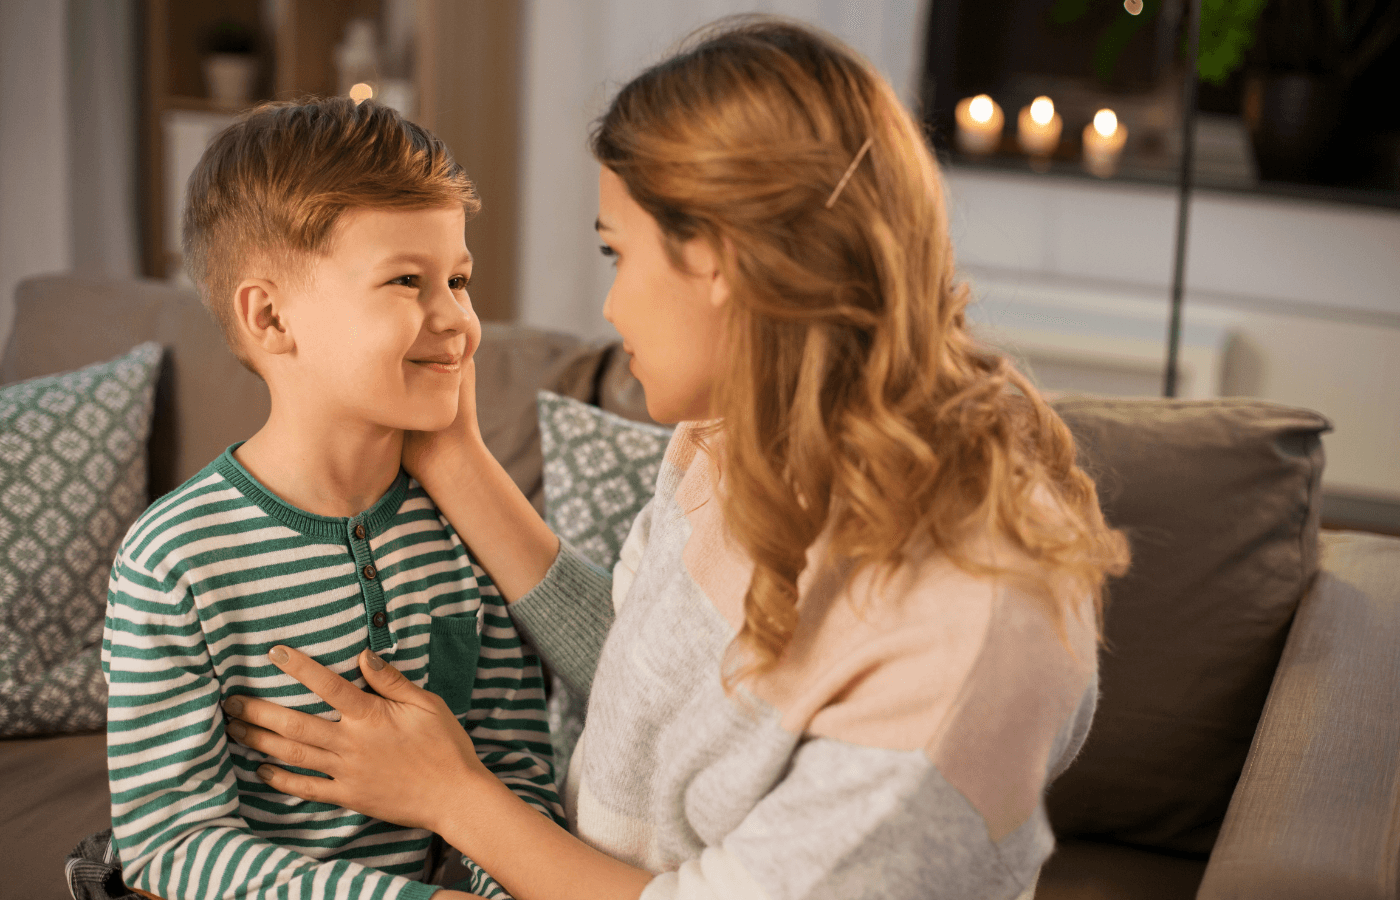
361,92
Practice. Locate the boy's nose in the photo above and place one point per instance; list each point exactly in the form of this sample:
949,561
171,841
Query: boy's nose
449,313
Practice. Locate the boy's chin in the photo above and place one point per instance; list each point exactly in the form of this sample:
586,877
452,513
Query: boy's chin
435,420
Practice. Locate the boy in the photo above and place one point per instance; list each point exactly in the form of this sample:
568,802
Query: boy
327,240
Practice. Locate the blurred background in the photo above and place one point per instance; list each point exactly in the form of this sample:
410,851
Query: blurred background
1059,124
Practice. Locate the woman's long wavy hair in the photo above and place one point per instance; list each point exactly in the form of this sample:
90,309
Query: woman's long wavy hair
856,399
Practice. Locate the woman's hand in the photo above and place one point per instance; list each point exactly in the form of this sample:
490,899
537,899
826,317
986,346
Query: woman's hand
401,756
430,453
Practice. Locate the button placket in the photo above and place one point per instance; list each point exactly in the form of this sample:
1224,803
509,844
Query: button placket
376,615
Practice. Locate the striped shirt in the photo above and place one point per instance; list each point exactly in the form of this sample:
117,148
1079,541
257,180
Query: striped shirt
205,583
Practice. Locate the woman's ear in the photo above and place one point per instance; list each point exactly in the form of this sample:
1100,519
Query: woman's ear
258,309
724,262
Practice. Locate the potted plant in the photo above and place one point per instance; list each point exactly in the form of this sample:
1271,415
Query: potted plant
1306,59
230,64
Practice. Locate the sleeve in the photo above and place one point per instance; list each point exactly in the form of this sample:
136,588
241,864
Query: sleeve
567,616
506,720
569,613
861,822
175,803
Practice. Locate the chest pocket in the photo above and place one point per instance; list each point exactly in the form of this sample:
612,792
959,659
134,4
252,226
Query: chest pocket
453,649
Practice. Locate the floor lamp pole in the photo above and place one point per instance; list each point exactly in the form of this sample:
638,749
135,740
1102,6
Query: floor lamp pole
1183,206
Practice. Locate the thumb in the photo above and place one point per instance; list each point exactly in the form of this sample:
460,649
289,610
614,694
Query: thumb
386,681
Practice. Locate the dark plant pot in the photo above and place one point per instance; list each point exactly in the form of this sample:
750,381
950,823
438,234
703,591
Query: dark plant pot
1291,119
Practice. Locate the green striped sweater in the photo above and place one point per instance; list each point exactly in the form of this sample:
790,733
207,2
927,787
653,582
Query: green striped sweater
205,583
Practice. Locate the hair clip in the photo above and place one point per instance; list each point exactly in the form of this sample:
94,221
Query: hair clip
850,170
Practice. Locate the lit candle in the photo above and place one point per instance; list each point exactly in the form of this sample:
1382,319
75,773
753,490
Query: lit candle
980,121
1038,127
1103,143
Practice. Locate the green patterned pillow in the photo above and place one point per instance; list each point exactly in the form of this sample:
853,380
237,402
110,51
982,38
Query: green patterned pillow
72,480
599,471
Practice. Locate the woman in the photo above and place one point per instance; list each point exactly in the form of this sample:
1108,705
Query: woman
853,636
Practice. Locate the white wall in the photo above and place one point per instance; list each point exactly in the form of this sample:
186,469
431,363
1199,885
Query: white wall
34,190
1309,291
576,56
68,82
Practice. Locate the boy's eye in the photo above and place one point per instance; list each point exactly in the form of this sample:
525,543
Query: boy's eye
609,252
410,281
459,282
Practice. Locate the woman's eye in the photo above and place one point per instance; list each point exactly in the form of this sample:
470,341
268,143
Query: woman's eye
409,281
458,282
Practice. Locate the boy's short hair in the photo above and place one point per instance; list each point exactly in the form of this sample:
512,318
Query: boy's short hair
271,187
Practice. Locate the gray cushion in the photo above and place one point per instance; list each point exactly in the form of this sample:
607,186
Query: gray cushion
1220,502
599,471
72,480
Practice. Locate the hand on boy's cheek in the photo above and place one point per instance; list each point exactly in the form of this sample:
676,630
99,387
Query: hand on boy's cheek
424,449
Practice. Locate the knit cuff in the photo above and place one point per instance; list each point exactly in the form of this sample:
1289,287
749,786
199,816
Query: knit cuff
567,616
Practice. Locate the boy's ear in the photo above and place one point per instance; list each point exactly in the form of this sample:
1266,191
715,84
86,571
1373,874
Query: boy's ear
257,306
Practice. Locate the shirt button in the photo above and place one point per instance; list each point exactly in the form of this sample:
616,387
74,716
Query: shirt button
370,572
360,532
379,620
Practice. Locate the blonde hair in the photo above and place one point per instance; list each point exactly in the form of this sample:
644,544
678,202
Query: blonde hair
856,399
271,188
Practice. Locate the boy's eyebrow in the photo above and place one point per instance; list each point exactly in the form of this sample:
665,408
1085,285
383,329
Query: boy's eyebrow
424,259
600,225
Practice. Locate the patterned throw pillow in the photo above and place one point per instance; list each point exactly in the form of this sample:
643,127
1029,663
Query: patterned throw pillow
599,471
72,480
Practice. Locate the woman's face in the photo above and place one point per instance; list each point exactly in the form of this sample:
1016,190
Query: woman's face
671,321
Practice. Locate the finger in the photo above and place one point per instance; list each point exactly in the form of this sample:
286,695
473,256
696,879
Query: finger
307,787
388,682
293,753
300,727
330,687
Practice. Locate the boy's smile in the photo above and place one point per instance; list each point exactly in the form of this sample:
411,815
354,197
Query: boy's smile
382,323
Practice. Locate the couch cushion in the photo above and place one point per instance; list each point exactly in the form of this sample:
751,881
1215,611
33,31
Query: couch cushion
205,399
53,792
1220,502
72,480
599,471
512,363
1087,870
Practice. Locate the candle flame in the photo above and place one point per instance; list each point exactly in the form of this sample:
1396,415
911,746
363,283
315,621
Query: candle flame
1105,122
981,109
1042,110
361,92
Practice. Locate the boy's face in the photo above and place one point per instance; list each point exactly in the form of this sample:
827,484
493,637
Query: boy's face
383,323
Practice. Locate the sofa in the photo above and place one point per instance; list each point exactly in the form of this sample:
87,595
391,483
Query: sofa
1247,742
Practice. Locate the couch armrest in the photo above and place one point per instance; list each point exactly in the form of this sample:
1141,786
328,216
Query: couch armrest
1317,809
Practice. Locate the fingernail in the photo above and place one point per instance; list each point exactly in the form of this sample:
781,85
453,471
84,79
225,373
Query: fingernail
233,706
278,654
238,730
265,773
374,661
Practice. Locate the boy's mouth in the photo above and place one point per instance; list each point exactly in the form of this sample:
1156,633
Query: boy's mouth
443,363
